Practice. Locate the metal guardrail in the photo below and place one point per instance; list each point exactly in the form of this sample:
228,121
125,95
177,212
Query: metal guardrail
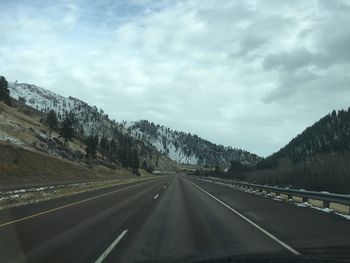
322,196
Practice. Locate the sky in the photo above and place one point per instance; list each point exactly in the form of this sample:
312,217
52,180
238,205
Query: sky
246,74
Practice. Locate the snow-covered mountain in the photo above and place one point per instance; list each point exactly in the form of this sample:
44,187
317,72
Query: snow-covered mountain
90,120
188,148
178,146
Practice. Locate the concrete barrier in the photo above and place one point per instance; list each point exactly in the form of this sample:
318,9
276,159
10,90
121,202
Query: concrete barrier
284,196
316,203
297,199
340,208
338,202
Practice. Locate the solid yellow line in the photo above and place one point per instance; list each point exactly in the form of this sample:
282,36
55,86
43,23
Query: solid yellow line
65,206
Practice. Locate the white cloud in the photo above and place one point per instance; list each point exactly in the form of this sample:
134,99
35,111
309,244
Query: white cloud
250,74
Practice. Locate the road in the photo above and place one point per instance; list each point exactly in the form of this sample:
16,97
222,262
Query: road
172,218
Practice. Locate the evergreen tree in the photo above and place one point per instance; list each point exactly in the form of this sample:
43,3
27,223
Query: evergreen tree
51,121
134,162
4,91
113,151
217,169
67,130
125,150
104,145
91,146
144,165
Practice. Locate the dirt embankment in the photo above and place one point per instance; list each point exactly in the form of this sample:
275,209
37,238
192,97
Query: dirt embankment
20,166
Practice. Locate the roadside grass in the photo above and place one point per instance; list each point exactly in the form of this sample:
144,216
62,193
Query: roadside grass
21,197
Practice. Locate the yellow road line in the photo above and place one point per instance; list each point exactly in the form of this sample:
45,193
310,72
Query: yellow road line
65,206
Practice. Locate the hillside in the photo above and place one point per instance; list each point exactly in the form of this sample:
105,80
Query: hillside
26,157
331,134
316,159
152,140
189,148
91,121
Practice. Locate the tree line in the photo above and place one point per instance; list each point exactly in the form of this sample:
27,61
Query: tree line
112,150
317,159
4,91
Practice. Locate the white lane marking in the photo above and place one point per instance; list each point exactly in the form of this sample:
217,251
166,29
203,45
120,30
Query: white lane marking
110,248
156,196
251,222
68,205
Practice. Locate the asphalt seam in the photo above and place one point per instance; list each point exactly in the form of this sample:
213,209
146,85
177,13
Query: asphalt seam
289,248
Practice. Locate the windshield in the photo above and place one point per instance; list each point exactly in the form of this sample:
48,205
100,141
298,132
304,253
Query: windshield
174,131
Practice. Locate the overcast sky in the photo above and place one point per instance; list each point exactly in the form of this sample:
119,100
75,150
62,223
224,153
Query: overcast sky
250,74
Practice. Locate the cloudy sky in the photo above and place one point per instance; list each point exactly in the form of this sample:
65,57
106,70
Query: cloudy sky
250,74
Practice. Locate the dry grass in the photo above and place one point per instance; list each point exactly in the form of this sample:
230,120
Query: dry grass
27,196
18,165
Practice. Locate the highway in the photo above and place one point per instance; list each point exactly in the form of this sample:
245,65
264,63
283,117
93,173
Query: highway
168,219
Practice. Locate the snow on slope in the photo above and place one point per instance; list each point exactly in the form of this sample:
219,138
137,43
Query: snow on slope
158,141
41,99
187,148
178,146
89,120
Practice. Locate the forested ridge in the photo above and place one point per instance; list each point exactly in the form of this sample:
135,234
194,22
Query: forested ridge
316,159
330,134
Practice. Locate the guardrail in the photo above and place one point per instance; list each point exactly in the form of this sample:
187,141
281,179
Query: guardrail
337,202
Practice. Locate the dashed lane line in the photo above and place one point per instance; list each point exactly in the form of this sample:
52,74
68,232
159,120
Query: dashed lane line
110,248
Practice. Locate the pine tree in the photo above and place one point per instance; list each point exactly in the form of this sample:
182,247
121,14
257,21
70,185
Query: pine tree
157,161
113,150
51,121
144,165
4,91
104,145
67,130
135,163
91,146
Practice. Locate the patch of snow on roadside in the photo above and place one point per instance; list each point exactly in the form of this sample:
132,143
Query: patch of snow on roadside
326,210
306,204
7,138
345,216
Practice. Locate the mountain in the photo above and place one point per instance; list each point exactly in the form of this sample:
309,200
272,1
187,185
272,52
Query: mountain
188,148
316,159
331,134
89,121
180,147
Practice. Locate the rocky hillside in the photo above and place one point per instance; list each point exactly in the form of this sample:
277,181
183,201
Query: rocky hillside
90,121
188,148
151,139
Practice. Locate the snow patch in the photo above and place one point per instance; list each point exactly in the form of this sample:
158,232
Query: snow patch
7,138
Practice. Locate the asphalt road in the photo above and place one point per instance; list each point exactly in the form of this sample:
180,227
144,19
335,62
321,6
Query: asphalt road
173,218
